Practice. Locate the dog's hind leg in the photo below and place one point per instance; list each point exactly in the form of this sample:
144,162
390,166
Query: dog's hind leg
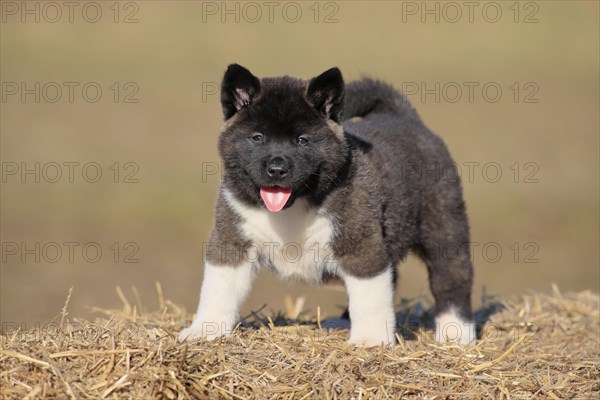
445,248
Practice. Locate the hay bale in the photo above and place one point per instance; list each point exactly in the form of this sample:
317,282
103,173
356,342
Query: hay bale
544,345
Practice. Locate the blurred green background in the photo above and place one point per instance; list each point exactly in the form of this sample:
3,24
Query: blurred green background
541,134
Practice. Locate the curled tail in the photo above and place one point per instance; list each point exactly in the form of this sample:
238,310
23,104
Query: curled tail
369,96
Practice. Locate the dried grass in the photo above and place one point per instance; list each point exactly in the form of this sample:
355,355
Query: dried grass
538,346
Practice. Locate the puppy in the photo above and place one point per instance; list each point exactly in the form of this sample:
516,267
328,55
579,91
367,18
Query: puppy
314,195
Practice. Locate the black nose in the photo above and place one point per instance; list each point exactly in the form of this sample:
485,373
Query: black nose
277,168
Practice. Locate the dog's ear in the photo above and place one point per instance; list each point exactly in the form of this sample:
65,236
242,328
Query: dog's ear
238,89
326,93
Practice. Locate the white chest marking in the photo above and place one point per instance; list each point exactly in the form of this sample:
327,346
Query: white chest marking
296,242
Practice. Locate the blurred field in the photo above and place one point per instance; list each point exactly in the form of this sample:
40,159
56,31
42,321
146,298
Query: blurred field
545,219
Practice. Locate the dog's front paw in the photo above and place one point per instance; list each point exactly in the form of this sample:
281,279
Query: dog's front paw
205,330
189,334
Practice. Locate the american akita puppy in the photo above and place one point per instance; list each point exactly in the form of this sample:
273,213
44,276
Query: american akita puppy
314,196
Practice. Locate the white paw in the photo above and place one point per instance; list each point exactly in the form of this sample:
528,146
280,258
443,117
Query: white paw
205,330
189,334
370,341
450,327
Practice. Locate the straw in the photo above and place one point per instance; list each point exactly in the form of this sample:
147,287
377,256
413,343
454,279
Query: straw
540,345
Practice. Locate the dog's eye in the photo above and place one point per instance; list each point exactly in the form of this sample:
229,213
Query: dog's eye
257,138
302,140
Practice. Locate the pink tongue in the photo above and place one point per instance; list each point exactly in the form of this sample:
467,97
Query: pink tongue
275,198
